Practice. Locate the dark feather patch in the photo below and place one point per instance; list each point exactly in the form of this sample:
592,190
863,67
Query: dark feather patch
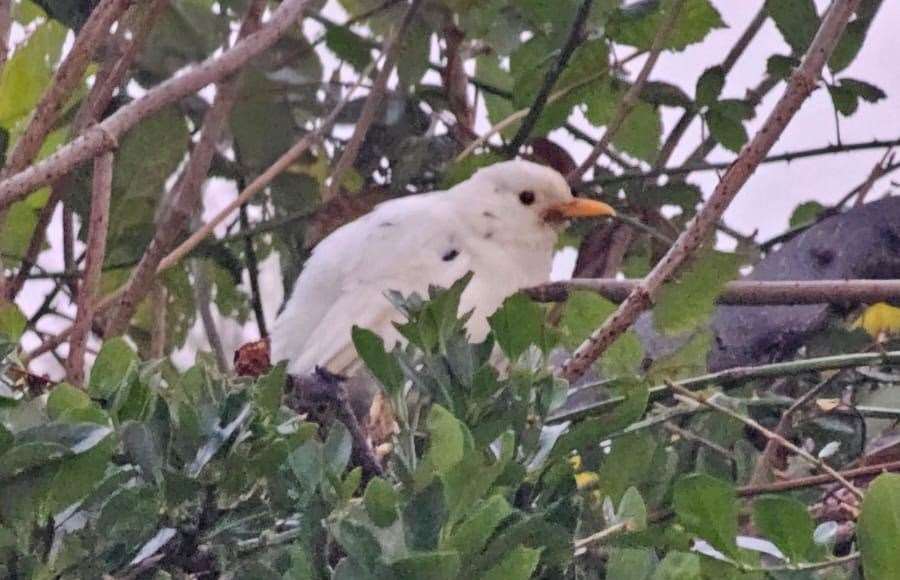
450,255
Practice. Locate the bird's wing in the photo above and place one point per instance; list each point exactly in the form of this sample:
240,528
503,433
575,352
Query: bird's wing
404,245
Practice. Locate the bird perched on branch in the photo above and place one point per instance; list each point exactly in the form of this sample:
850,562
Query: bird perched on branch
502,224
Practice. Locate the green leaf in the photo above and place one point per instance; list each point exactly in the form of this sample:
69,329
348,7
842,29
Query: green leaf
787,523
781,66
28,72
866,91
64,397
630,564
636,25
380,500
726,130
385,367
633,509
268,390
806,213
21,219
630,462
879,528
412,61
424,516
518,324
307,464
448,440
689,302
50,442
640,133
111,368
337,448
709,85
845,100
518,564
427,566
796,20
348,46
473,533
678,566
708,508
12,321
144,450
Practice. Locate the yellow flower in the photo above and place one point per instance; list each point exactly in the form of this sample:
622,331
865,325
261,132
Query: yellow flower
586,480
879,319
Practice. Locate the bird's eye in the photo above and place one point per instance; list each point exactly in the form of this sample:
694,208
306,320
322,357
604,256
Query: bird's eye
526,197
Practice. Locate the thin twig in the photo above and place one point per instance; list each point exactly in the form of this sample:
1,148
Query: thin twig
96,252
203,302
630,99
582,544
104,135
817,480
252,266
5,24
715,166
576,36
742,292
372,104
799,88
768,433
186,195
159,307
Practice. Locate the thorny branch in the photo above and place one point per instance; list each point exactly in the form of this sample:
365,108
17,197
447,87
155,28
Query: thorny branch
799,87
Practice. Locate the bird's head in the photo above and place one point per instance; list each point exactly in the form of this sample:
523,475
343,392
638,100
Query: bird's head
525,194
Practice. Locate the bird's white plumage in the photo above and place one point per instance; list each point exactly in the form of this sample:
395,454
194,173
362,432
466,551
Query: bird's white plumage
406,244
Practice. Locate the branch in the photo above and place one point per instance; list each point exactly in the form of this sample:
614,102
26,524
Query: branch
186,196
96,251
5,23
630,99
103,136
799,88
252,265
373,102
737,375
817,480
710,166
742,292
576,34
768,434
67,76
203,300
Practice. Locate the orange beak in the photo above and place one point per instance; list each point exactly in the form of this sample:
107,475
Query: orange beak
579,207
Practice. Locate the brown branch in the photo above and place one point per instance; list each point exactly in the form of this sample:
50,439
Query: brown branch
186,195
802,83
66,78
109,77
96,251
817,480
372,104
741,292
160,307
767,433
630,99
104,135
576,36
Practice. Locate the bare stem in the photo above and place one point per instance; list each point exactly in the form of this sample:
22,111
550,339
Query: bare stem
96,252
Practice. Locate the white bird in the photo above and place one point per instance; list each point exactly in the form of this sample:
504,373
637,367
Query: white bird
502,224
